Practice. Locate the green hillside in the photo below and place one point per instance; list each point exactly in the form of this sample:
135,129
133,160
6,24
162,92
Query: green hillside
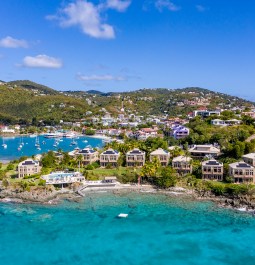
25,100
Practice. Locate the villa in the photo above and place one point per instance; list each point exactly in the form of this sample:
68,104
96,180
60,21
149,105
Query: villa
212,169
88,156
182,164
249,159
201,151
135,157
162,155
241,172
28,167
61,178
109,157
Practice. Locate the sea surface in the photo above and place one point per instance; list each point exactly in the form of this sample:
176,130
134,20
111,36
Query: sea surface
29,148
158,230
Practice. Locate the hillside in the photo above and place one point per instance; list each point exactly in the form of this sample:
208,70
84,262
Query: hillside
25,100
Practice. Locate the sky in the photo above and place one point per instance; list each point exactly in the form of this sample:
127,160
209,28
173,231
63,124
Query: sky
124,45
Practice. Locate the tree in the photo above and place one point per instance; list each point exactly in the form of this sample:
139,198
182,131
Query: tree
167,179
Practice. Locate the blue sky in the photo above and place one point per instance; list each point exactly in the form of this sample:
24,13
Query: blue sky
114,45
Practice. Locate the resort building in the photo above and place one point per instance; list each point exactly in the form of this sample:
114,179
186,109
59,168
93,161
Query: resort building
201,151
219,122
206,113
109,157
89,156
28,167
182,164
241,172
249,159
135,157
177,131
212,169
162,155
61,178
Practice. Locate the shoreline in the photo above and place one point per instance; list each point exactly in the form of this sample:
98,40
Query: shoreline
241,204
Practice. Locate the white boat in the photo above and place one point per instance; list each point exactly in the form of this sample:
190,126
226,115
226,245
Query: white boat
37,143
69,135
32,135
123,215
53,135
85,141
4,145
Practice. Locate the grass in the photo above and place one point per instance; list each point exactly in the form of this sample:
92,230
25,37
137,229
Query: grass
100,173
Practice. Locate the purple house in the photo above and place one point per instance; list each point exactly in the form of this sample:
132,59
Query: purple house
179,131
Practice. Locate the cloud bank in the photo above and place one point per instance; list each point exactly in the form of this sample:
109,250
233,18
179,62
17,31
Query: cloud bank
9,42
42,61
88,17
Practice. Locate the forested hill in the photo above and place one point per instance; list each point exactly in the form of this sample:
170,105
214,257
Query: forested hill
25,100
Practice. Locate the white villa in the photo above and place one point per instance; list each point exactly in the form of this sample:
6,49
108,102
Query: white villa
212,169
182,164
162,155
241,172
28,167
249,159
61,177
200,151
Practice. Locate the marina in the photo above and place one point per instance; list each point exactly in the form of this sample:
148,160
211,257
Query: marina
15,147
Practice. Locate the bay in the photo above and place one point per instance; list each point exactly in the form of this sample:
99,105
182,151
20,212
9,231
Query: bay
158,230
29,148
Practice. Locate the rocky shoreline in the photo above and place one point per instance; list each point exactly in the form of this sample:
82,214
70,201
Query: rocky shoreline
244,203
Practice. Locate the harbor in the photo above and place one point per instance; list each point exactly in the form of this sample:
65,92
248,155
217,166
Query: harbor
15,147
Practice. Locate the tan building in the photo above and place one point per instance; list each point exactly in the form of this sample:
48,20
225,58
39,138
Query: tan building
28,167
89,156
212,170
201,151
135,157
241,172
182,164
249,159
162,155
109,157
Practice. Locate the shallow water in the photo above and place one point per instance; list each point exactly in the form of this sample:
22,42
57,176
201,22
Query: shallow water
29,148
158,230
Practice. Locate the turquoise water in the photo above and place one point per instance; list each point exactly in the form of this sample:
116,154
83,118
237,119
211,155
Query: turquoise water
158,230
29,147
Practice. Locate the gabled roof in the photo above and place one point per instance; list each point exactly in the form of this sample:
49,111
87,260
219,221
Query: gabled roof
110,151
135,151
182,159
86,151
28,162
241,165
160,151
211,162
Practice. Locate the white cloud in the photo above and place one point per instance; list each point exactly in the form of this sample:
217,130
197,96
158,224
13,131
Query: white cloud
100,77
9,42
42,61
161,4
118,5
86,15
200,8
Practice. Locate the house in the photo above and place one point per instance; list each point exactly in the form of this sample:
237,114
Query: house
212,169
249,159
88,155
182,164
62,178
109,157
135,157
162,155
219,122
200,151
206,113
241,172
28,167
177,131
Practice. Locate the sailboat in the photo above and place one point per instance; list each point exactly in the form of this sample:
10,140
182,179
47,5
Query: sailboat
73,142
4,145
37,143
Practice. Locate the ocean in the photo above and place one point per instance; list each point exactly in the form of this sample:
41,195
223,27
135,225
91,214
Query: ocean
158,230
29,148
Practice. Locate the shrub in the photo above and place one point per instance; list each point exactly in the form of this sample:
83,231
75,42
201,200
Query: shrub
89,167
10,166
